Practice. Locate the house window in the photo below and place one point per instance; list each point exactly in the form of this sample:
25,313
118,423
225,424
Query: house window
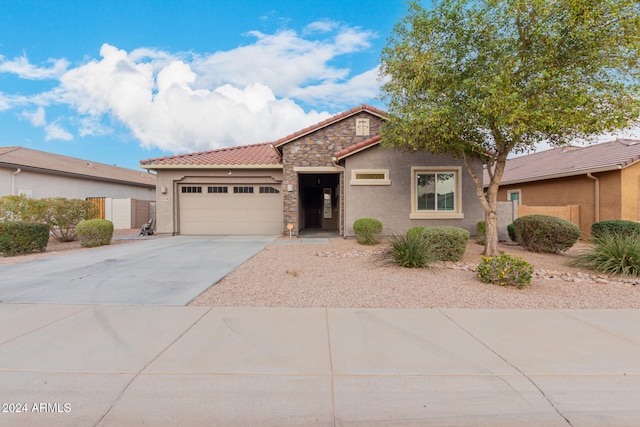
243,190
514,195
436,192
370,177
269,190
218,190
191,189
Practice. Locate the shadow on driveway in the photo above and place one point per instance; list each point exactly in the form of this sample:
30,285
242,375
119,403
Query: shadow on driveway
162,271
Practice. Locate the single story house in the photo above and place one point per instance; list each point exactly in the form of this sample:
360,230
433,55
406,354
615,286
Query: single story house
119,193
603,180
323,177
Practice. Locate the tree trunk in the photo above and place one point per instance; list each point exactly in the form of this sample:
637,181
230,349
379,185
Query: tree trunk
491,233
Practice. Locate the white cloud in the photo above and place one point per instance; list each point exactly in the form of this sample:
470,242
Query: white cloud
24,69
55,131
188,102
36,118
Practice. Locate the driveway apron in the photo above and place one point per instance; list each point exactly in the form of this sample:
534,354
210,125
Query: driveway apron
162,270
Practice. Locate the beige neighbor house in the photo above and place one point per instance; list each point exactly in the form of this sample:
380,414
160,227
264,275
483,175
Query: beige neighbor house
125,196
592,183
323,177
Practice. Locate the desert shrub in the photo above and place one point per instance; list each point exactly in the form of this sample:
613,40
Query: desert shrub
620,227
545,233
613,253
505,270
367,230
63,215
95,232
23,209
409,250
17,238
481,232
511,230
447,243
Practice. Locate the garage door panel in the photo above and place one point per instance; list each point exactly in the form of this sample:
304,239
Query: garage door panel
224,214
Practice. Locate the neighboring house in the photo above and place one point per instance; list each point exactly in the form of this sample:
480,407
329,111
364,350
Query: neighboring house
38,174
602,179
323,177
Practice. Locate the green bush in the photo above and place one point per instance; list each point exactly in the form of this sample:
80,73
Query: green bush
615,226
447,243
511,229
613,253
95,232
545,233
505,270
367,230
18,238
409,250
62,215
481,232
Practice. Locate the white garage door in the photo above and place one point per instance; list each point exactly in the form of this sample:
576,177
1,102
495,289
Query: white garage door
241,209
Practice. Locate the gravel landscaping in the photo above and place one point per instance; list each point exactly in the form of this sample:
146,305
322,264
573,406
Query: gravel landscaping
347,274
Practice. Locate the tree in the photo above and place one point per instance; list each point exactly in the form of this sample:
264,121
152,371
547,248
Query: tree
487,78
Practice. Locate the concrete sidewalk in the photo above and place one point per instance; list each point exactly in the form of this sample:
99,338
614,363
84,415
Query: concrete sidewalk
88,365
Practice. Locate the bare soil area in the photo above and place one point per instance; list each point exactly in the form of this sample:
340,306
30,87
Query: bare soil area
347,274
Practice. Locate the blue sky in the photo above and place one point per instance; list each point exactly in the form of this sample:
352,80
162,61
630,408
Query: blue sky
120,81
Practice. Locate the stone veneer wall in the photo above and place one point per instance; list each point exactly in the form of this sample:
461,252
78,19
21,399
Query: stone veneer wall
316,150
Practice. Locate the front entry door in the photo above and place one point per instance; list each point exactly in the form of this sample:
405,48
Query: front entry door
313,204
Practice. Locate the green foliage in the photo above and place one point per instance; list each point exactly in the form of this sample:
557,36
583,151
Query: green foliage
62,215
411,250
367,230
613,253
18,238
95,232
482,79
545,233
614,226
511,229
505,270
481,230
447,243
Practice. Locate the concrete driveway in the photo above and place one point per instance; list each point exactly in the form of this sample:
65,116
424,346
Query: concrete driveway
161,270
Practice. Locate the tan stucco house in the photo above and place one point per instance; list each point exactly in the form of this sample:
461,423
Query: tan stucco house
603,180
125,196
323,177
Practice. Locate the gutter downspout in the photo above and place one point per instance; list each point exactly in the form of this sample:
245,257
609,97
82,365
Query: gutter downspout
13,181
596,201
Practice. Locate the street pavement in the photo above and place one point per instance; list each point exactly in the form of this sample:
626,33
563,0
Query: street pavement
132,365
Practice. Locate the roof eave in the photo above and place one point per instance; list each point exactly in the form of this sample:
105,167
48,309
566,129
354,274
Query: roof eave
267,166
562,175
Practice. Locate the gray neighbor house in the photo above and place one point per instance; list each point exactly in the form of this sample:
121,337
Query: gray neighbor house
323,177
124,196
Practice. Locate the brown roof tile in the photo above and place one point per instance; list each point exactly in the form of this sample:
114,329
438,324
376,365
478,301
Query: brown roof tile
243,155
26,158
568,161
357,147
328,122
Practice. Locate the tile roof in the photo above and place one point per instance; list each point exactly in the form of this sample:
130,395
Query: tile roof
254,155
568,161
28,159
328,122
363,145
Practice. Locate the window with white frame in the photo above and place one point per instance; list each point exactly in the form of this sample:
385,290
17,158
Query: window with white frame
436,192
370,177
514,195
